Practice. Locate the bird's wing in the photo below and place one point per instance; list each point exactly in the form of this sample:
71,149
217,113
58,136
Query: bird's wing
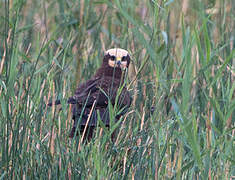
84,92
100,90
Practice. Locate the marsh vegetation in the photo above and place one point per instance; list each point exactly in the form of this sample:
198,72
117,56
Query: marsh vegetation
182,80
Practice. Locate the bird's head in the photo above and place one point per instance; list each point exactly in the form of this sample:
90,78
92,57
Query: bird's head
117,58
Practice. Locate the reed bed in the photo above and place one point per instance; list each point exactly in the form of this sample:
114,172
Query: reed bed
182,80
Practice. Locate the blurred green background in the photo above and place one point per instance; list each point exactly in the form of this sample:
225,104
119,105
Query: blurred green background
183,67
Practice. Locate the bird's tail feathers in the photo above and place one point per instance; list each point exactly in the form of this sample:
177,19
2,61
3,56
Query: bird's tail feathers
57,102
72,100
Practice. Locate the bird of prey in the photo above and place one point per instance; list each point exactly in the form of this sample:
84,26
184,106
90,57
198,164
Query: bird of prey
91,98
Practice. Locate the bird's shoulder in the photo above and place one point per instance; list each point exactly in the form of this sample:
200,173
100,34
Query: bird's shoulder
99,89
83,90
87,86
92,88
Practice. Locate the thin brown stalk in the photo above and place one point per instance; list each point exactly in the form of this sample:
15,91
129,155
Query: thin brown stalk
52,138
88,119
4,52
141,128
119,134
208,124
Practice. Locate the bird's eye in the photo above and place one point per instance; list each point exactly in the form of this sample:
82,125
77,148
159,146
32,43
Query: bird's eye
113,58
123,58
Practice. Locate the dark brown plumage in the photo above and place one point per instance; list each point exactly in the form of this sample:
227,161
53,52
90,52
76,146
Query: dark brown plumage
97,92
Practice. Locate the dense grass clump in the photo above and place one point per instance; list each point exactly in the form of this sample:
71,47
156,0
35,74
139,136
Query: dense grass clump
182,80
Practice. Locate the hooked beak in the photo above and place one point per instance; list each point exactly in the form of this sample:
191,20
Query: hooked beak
118,61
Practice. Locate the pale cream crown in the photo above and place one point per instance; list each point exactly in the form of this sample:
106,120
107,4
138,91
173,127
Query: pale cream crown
117,52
